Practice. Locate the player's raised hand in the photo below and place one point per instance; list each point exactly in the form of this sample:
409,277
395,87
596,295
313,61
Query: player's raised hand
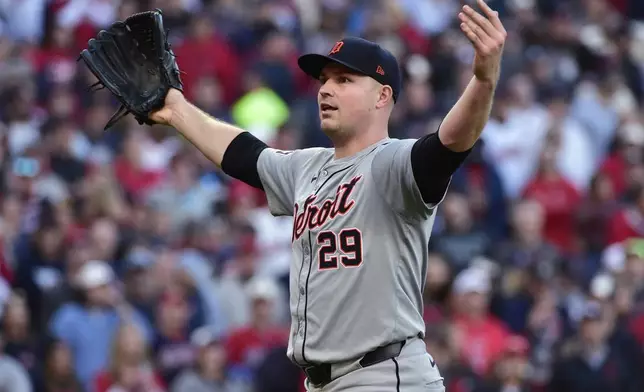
487,34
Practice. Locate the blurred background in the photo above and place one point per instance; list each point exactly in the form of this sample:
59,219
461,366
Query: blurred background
128,262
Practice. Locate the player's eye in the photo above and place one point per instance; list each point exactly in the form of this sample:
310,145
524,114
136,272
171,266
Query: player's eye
343,79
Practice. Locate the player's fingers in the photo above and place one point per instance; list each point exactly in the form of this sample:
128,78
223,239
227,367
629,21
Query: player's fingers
486,44
471,35
474,28
481,21
493,16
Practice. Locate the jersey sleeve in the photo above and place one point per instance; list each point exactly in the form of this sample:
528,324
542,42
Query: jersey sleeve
394,179
277,172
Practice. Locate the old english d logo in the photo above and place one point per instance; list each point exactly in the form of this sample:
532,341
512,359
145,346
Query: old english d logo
336,48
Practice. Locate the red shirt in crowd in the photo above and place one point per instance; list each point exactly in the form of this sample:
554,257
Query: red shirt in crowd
239,191
614,168
104,381
560,200
212,57
483,341
433,314
5,271
135,180
54,59
626,223
477,177
248,346
636,325
620,5
415,40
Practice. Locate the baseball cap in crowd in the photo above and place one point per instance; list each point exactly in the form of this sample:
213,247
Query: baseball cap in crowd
203,337
471,280
262,288
93,274
613,258
139,258
487,266
361,56
602,286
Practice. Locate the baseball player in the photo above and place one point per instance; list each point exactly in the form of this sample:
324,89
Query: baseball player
363,210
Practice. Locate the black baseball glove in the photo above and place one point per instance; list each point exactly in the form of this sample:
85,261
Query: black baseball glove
133,60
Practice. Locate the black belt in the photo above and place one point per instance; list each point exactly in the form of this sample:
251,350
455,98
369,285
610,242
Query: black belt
321,374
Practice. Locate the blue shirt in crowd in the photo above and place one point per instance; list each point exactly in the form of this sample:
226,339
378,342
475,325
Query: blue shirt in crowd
89,334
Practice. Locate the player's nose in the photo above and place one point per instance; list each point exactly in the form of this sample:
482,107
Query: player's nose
325,90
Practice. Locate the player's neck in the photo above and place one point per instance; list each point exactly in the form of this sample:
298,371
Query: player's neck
354,145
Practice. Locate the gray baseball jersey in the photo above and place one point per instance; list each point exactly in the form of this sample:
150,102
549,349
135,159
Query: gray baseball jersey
360,237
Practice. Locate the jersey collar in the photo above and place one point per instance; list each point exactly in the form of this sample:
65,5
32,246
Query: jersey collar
334,163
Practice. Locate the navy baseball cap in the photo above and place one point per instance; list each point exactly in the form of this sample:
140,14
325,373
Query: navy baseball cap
361,56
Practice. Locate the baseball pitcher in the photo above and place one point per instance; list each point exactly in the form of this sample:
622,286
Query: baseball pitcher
363,210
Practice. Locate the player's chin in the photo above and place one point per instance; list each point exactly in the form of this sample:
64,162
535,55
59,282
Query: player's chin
329,126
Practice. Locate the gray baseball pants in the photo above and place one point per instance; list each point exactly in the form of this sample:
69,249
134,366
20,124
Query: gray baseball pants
414,370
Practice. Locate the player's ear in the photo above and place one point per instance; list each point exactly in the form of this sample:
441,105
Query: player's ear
385,96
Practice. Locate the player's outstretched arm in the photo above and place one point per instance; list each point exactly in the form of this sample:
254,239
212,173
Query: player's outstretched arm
464,123
435,157
234,150
211,136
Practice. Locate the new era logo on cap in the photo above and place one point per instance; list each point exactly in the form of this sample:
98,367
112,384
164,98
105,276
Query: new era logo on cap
361,56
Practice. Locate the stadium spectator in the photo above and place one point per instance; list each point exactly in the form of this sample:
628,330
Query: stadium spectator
590,362
13,376
595,212
209,371
140,287
480,181
526,245
182,195
58,369
132,175
19,341
204,53
247,346
558,198
511,370
629,221
481,336
461,240
99,311
443,345
172,348
40,263
129,368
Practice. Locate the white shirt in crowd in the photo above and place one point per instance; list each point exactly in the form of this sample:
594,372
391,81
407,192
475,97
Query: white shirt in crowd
514,146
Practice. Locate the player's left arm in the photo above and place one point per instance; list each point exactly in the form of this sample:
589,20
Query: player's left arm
463,124
436,157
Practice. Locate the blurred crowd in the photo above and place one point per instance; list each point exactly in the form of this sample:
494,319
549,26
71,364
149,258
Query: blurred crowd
130,263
